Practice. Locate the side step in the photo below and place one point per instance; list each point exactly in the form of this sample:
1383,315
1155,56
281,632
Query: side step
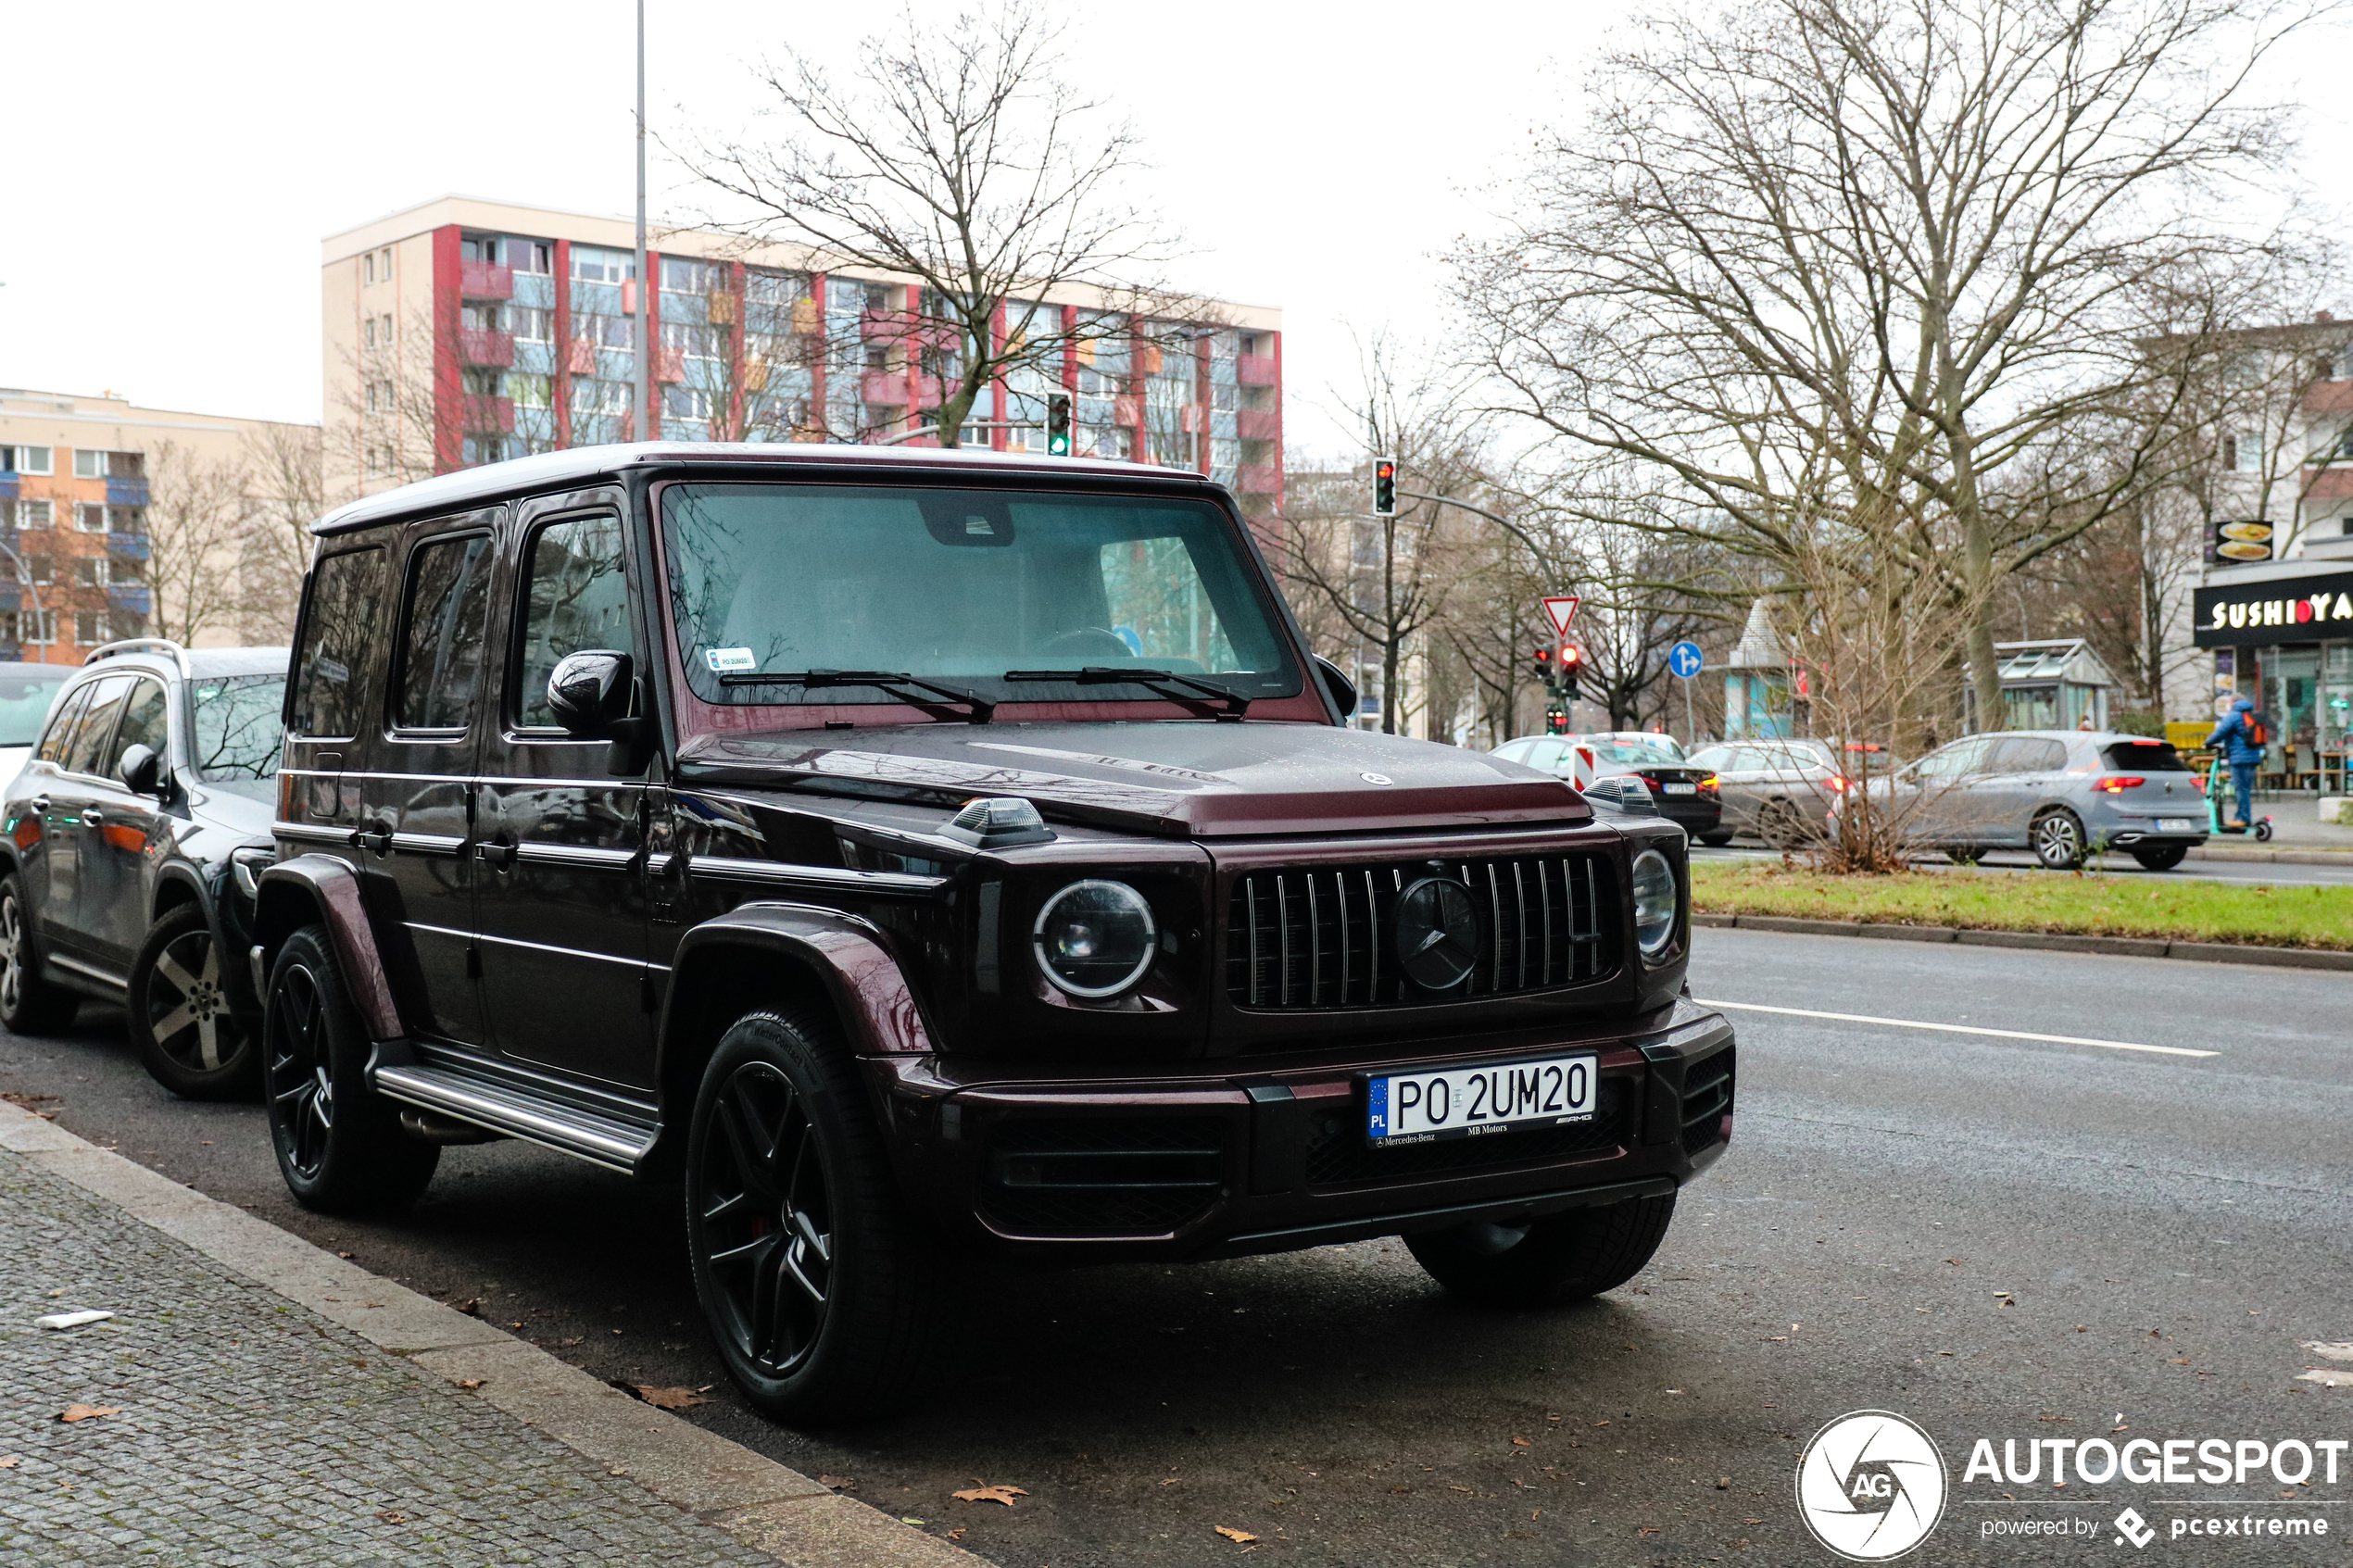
599,1139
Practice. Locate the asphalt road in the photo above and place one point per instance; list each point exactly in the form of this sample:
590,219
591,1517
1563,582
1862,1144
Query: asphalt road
1994,1237
2003,861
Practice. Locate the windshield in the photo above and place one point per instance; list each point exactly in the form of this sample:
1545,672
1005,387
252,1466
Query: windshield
24,702
236,732
1644,752
962,586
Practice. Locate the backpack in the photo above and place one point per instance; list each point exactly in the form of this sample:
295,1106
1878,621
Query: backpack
2256,733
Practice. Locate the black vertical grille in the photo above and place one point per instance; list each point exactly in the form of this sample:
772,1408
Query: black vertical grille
1707,1095
1323,938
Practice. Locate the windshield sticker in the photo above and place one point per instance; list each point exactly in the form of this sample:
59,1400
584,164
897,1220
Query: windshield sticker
725,659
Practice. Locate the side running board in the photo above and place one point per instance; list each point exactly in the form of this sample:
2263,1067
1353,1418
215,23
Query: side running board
620,1146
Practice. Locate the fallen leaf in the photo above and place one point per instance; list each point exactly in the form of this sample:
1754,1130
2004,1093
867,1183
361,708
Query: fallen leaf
958,1533
1235,1536
671,1398
470,1382
79,1412
1522,1443
836,1482
342,1254
10,1464
1723,1482
391,1516
471,1306
567,1344
990,1494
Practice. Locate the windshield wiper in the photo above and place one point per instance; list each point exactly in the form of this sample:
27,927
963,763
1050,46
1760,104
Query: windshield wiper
1103,674
884,681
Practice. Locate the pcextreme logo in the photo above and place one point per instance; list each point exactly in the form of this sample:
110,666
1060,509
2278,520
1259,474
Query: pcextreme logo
1871,1485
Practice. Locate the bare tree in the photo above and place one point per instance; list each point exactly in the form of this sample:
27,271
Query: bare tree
196,510
285,492
1889,258
960,158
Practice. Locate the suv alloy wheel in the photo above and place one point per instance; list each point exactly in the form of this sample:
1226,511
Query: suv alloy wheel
185,1032
818,1288
338,1142
29,1005
2057,840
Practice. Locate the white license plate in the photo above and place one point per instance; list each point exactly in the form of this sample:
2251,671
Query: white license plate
2174,825
1679,789
1461,1102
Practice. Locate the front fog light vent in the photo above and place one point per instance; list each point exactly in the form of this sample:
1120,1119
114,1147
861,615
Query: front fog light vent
993,823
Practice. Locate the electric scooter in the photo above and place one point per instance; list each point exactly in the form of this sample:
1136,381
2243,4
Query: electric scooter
2218,790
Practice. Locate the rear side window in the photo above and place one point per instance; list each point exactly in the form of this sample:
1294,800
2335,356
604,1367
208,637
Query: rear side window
577,599
346,610
60,730
145,722
2024,756
443,625
2142,757
86,753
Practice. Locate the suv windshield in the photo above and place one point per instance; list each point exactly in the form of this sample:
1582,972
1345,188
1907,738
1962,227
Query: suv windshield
967,586
236,731
24,702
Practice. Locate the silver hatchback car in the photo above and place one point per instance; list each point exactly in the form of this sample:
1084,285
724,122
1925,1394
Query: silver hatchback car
2062,794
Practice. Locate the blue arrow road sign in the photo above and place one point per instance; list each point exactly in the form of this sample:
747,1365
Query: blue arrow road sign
1684,660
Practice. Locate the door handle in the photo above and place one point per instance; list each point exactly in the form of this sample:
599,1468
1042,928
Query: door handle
500,856
377,837
93,816
41,803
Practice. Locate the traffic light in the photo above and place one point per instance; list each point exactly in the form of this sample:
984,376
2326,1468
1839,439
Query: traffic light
1556,720
1385,487
1545,665
1572,660
1058,424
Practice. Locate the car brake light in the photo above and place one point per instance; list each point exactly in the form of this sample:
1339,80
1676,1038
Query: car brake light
1708,783
1841,783
2117,783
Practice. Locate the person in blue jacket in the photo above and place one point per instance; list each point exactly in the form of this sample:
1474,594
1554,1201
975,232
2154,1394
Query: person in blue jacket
2235,736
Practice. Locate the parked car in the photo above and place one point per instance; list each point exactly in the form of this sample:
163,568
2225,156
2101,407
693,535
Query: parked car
130,841
1687,794
26,692
2062,794
1780,790
803,822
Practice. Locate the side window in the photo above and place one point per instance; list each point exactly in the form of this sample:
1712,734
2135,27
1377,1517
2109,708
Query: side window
87,751
442,626
145,722
576,598
60,730
344,615
1957,760
2026,755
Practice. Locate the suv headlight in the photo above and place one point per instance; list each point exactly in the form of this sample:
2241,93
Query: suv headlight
1095,938
1656,896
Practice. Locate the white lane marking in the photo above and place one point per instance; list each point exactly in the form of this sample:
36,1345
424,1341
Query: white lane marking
1959,1029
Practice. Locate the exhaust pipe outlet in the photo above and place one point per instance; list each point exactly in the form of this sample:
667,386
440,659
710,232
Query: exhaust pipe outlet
426,1128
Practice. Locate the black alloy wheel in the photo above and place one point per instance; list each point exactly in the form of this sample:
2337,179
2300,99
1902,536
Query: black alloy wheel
2056,839
819,1288
338,1142
1778,825
188,1034
29,1005
2161,857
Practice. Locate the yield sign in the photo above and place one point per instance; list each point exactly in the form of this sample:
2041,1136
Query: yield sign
1563,610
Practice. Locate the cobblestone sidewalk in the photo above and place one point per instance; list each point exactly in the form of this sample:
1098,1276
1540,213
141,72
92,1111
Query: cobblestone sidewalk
246,1429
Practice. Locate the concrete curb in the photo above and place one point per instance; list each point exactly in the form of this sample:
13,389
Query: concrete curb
2050,942
762,1503
2340,857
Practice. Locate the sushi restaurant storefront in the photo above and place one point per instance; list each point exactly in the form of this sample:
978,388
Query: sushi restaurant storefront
2282,634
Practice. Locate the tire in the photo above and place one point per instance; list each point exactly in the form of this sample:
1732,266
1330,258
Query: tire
2056,839
2263,830
1550,1262
2163,859
339,1144
822,1290
1717,839
1778,825
188,1037
29,1005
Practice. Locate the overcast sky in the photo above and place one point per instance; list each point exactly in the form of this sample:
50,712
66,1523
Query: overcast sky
175,165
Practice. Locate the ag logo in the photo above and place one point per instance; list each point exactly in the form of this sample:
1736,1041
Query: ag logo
1871,1486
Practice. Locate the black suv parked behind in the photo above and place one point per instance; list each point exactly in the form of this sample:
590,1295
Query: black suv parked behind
925,851
131,841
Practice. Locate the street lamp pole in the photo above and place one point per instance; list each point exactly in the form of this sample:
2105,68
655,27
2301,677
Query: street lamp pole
40,618
644,389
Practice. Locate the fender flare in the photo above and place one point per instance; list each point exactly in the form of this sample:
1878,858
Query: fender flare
849,955
319,886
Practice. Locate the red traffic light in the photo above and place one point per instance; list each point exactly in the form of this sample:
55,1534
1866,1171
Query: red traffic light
1572,656
1543,656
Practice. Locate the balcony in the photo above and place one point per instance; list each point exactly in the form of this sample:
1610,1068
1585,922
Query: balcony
126,491
487,415
130,546
668,365
1257,369
1259,479
486,348
580,358
1258,424
486,279
1127,411
132,597
883,386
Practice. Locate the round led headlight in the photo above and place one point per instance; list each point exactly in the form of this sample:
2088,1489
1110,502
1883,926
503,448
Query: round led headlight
1095,938
1654,900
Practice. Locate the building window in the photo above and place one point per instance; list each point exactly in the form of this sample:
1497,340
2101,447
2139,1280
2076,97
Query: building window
532,324
28,627
368,332
91,628
529,392
37,568
686,403
25,459
684,276
592,264
384,331
479,247
691,339
384,264
90,516
368,268
89,465
34,514
536,257
90,571
2242,452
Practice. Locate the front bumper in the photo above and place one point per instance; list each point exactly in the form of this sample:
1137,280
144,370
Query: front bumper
1272,1158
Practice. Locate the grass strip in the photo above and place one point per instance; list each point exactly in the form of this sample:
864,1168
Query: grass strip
2085,904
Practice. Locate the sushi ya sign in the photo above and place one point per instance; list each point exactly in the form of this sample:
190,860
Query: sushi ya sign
2284,609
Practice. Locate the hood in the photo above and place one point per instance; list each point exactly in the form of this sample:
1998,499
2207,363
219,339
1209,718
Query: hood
1204,780
2244,705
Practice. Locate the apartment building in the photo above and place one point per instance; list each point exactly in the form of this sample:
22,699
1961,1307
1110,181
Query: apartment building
463,331
77,477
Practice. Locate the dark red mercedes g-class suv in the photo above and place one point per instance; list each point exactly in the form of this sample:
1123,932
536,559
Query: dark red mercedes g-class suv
917,851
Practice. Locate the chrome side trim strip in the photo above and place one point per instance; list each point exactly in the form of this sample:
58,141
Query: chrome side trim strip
723,867
574,855
534,947
428,843
310,833
90,971
591,1138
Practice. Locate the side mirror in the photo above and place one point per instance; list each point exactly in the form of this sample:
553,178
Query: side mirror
140,770
589,691
1336,681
